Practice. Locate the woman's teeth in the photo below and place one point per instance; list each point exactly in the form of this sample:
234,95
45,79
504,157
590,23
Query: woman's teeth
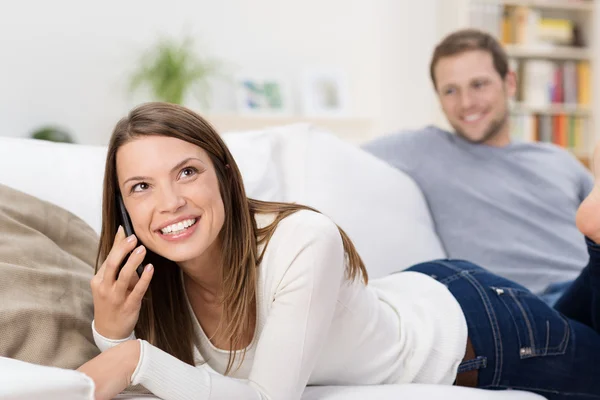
178,227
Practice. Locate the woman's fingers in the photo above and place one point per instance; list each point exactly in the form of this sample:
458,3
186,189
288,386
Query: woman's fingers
100,272
122,246
127,274
137,294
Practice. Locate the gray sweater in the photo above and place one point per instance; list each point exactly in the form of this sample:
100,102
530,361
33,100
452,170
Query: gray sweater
509,209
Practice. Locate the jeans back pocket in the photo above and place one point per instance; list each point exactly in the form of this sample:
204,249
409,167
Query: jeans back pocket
542,331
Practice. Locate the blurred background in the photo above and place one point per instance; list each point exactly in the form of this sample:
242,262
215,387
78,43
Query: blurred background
356,67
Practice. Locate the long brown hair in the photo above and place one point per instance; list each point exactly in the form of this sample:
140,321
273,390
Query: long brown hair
164,319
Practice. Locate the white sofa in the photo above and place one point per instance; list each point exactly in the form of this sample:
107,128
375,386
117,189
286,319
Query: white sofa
381,209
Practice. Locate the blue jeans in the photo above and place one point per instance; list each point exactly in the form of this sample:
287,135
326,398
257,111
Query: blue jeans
554,292
520,341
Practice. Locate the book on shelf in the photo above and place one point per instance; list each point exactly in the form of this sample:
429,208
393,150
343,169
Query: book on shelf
546,45
584,83
563,130
524,25
543,83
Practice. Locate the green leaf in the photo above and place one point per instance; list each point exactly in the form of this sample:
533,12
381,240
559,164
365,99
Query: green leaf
171,69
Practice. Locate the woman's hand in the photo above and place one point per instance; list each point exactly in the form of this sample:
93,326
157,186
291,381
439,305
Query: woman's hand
118,299
111,370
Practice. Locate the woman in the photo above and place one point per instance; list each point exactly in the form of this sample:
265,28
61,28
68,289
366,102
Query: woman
255,299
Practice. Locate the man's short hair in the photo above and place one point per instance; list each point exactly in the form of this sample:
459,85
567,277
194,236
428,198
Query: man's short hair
468,40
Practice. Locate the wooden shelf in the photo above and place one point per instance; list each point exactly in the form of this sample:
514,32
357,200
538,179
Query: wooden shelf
548,53
553,109
353,129
564,5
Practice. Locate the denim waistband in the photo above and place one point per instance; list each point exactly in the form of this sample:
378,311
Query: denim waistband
474,298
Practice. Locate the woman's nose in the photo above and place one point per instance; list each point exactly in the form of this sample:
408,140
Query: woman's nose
170,200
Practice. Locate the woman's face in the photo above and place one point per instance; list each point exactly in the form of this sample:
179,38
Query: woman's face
171,192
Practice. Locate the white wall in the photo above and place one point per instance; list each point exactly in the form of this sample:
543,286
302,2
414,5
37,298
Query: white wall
409,34
65,62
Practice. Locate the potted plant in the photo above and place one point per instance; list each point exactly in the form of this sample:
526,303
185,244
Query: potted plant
171,69
53,134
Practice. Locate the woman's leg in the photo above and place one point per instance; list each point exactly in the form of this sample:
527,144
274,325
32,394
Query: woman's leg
581,301
519,341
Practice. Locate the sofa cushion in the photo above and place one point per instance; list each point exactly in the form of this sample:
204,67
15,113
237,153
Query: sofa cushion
22,381
380,208
71,176
412,391
67,175
25,381
252,152
47,258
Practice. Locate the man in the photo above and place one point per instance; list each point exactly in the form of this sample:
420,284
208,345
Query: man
506,205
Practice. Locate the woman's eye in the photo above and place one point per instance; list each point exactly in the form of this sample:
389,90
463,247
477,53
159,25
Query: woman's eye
139,187
187,172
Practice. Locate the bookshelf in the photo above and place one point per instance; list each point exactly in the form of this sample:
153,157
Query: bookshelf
554,109
549,53
552,46
562,5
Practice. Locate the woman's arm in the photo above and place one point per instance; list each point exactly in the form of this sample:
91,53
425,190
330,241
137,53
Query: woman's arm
171,379
119,366
111,370
306,261
104,343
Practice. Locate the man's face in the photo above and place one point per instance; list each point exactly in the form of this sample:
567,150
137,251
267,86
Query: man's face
474,97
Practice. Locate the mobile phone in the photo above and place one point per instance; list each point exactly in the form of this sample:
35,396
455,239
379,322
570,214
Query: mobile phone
128,228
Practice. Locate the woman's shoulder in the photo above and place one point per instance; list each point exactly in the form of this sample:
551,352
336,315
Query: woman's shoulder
301,242
300,222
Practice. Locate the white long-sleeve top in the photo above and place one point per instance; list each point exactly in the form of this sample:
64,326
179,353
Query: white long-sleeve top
314,327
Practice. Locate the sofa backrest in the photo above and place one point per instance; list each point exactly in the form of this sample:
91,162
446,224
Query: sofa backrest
67,175
379,207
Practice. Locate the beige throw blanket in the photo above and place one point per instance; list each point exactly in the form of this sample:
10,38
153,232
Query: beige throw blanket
47,258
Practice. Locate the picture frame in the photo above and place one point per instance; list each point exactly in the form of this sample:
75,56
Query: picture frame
263,95
325,93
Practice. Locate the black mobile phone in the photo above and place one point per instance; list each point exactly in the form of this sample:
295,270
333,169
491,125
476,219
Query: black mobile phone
128,228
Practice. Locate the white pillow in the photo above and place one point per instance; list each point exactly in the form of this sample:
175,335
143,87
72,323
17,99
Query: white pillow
24,381
252,151
380,208
67,175
71,175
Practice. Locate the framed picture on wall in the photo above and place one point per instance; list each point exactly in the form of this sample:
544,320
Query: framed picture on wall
262,95
324,93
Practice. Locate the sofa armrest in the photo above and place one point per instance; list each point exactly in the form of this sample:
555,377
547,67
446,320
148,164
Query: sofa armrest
24,381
